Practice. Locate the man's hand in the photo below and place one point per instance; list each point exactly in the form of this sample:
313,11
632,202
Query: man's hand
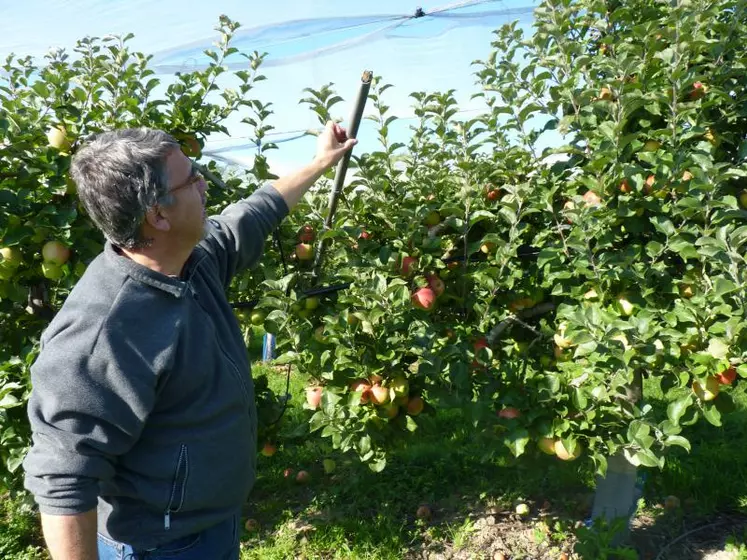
332,145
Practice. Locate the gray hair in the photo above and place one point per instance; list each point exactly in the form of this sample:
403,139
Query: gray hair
120,175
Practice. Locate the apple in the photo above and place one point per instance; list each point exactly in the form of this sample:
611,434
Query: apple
626,187
698,92
364,235
488,247
304,252
436,284
390,409
379,394
626,308
492,193
423,512
522,509
303,477
592,199
712,138
375,379
424,298
651,146
52,271
57,138
400,386
606,94
287,473
306,234
566,455
433,218
415,406
257,317
521,303
561,341
708,392
743,199
362,386
319,334
313,397
408,266
509,412
547,445
311,303
54,252
251,525
686,176
648,186
329,466
591,294
727,376
686,291
269,449
10,257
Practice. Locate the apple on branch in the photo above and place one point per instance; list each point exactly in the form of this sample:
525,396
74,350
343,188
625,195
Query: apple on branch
424,298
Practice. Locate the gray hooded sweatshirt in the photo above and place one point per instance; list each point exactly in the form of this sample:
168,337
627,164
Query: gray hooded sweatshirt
142,401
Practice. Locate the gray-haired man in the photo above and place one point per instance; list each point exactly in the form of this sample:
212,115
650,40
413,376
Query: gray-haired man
142,409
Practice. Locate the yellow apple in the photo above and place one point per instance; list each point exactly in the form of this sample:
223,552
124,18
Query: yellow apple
708,392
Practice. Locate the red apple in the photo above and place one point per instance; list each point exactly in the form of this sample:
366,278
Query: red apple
304,252
626,187
303,477
269,449
408,266
592,199
415,406
364,235
727,376
379,394
364,387
509,412
648,186
313,397
436,284
251,525
424,298
55,252
306,234
699,90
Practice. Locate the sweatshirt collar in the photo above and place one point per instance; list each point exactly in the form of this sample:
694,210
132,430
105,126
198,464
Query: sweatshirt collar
169,284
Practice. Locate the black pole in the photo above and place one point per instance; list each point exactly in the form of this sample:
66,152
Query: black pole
342,167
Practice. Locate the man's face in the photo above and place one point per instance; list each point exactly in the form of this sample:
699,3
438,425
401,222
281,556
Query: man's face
187,213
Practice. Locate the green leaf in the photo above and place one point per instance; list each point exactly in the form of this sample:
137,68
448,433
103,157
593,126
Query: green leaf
678,440
677,409
712,414
722,286
516,441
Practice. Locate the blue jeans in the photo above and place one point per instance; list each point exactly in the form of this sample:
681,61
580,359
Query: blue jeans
220,542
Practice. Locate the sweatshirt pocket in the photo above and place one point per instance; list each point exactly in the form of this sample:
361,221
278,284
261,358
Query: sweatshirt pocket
178,486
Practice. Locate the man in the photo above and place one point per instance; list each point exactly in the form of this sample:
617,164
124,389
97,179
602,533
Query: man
142,410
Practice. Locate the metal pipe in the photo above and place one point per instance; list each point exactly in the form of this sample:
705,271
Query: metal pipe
342,167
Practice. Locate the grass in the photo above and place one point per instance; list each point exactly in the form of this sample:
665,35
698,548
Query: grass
470,484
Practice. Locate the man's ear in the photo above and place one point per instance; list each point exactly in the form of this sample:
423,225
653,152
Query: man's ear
156,219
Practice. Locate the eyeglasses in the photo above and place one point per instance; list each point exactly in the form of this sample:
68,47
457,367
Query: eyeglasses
194,177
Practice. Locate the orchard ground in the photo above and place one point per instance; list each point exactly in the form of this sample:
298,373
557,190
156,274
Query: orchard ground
470,486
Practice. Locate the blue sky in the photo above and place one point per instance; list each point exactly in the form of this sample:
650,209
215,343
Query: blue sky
428,54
